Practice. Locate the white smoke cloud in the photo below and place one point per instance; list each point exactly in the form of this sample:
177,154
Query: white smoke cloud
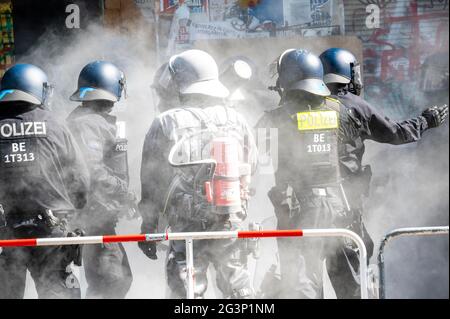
413,193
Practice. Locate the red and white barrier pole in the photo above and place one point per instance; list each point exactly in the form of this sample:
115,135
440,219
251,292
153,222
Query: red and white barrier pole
190,237
89,240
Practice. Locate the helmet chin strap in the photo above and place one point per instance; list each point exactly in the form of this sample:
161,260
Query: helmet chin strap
356,84
47,93
353,88
123,87
277,88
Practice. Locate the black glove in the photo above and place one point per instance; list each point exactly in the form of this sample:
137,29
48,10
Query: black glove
148,248
436,115
75,252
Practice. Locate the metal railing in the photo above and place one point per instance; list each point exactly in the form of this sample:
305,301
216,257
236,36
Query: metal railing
402,232
190,237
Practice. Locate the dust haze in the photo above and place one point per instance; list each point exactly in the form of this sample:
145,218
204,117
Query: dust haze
410,183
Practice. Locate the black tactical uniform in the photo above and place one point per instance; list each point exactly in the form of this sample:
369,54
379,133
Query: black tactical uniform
107,269
44,178
373,125
355,125
170,190
227,256
104,146
343,76
307,192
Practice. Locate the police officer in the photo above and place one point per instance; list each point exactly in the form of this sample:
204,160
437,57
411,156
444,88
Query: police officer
44,179
343,77
100,85
177,194
307,193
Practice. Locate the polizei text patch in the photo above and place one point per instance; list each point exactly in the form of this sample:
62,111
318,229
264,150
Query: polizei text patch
22,129
18,142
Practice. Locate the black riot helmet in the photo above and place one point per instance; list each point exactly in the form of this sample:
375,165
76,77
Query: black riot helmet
342,70
300,70
100,81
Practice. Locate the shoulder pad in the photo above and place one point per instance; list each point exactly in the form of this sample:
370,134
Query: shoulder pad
333,103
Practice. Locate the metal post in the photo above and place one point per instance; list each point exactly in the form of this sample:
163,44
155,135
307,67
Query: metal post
402,232
190,271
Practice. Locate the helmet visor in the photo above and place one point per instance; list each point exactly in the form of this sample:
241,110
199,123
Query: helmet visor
17,95
335,78
314,86
93,94
209,87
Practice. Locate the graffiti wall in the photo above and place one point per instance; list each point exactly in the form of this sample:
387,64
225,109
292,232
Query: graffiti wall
407,54
6,37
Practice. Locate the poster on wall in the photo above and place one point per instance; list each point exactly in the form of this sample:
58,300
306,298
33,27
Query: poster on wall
221,19
313,18
233,19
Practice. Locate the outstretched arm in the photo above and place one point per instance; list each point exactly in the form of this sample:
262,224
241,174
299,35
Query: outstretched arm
378,127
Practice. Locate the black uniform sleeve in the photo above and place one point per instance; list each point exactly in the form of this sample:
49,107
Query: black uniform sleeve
92,142
378,127
156,175
76,178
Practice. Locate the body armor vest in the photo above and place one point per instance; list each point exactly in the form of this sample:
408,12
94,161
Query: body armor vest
187,197
309,146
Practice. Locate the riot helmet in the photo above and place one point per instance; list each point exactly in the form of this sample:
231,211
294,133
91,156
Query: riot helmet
196,72
25,83
100,81
342,67
300,70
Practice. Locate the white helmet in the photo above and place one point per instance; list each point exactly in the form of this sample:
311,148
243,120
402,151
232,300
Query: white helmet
196,72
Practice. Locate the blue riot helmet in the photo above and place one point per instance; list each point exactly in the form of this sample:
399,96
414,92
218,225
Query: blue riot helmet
342,67
100,80
301,70
25,83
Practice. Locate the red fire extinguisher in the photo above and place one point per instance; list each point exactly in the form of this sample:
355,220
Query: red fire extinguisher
224,191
